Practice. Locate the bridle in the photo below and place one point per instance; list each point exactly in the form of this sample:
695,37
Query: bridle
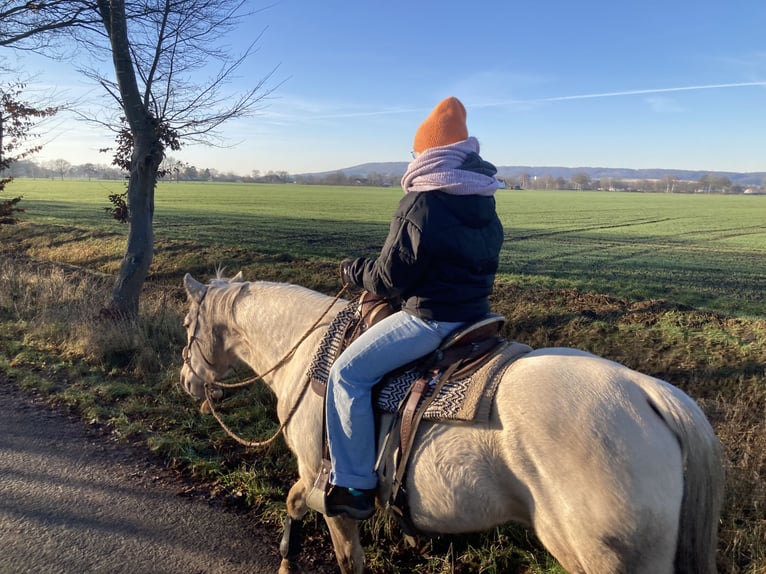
210,385
186,353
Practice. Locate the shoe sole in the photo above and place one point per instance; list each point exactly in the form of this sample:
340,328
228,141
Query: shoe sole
354,513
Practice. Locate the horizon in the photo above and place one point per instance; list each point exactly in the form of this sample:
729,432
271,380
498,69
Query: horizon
582,85
741,177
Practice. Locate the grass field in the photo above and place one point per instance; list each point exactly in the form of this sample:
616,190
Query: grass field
707,251
639,255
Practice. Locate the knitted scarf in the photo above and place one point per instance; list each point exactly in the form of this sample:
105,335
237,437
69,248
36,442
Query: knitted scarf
456,168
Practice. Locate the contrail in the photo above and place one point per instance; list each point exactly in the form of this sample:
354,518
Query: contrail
649,91
402,110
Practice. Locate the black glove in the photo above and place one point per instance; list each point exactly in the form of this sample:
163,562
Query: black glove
345,268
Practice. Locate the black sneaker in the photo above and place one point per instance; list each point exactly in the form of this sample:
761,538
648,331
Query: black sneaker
355,503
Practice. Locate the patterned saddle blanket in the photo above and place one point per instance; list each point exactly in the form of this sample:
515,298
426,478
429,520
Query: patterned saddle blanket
464,400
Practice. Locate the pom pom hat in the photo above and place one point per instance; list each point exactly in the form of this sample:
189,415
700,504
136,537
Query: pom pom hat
445,125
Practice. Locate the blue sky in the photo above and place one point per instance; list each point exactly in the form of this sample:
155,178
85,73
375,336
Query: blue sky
656,84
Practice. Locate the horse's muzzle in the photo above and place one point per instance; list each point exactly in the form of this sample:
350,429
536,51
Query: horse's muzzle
191,383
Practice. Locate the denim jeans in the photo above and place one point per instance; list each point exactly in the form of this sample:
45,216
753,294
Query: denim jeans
387,345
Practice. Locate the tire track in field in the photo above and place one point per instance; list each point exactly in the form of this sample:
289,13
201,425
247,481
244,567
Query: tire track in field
730,232
593,245
616,258
604,259
595,227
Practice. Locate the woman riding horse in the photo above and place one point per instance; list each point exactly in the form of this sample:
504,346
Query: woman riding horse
439,260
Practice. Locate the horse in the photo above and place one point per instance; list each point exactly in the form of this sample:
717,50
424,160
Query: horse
614,470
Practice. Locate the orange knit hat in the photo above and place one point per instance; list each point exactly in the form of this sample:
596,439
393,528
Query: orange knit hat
444,125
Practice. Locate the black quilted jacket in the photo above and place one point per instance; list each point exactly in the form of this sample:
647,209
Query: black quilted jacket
440,256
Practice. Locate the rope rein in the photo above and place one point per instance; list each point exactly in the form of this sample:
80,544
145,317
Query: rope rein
209,386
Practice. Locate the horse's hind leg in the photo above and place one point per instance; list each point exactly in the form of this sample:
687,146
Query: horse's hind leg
648,549
290,545
345,540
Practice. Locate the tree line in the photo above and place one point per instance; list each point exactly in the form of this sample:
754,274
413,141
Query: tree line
171,169
580,181
175,171
669,184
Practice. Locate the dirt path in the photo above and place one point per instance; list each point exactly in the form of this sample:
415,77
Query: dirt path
72,501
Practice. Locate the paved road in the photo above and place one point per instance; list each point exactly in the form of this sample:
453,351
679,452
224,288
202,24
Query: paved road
72,501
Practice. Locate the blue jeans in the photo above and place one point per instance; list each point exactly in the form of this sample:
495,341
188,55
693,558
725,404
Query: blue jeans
387,345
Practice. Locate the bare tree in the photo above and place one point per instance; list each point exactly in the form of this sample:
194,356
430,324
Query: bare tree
60,167
670,182
581,180
171,167
158,48
89,170
43,25
706,183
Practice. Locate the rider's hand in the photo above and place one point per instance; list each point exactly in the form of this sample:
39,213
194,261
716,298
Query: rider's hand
344,269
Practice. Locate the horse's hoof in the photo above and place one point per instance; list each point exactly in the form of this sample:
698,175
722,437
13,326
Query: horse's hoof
286,567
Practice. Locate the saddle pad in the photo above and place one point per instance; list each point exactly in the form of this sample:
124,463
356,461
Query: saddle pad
465,400
331,343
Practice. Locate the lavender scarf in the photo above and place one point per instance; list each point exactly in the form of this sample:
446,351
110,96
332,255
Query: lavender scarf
457,169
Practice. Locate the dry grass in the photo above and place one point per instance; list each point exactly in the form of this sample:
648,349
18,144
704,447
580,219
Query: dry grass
59,306
741,426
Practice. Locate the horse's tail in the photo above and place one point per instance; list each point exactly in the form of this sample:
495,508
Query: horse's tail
703,479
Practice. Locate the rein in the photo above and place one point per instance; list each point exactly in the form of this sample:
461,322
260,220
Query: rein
210,385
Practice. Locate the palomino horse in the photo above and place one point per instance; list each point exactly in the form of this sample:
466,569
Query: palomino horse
616,471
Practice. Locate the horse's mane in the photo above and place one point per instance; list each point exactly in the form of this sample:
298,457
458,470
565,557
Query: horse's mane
223,296
228,294
297,291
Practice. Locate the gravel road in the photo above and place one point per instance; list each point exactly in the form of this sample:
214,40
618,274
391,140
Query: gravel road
73,501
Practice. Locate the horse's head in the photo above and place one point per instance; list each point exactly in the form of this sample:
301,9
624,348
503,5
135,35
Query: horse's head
207,357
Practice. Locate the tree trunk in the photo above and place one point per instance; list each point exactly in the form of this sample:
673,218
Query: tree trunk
144,164
147,155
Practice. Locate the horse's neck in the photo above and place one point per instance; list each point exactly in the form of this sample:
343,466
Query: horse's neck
273,318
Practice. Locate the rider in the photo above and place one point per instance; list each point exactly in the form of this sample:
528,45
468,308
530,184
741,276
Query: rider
439,260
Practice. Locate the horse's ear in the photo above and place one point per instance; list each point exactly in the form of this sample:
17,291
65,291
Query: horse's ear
237,278
194,288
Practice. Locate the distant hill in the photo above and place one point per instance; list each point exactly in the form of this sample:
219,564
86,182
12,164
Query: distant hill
753,178
398,168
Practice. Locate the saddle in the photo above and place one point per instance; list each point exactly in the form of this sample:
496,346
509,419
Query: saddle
460,354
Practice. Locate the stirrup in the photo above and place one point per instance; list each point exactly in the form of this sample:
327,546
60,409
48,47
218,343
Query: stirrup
317,497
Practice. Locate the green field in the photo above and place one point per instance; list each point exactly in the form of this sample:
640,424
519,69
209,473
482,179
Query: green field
706,251
58,267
